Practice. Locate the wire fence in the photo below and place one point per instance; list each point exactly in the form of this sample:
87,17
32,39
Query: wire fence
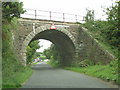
52,16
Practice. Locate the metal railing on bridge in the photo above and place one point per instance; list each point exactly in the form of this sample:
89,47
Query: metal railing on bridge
52,16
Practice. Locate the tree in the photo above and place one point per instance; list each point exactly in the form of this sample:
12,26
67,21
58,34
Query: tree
89,19
31,50
11,10
89,16
47,53
113,31
53,54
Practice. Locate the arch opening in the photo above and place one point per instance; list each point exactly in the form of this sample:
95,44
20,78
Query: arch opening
62,42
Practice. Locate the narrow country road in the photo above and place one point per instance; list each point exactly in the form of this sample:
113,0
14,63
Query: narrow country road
45,76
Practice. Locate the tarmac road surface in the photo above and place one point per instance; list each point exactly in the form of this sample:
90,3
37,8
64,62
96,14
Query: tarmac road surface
45,76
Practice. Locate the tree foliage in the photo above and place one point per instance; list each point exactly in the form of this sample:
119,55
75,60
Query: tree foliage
31,50
11,10
53,54
89,16
47,53
113,31
89,19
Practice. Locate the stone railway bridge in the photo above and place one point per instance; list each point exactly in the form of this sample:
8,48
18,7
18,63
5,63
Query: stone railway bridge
73,41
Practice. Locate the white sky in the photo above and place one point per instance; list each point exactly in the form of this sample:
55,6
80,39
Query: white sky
44,44
68,6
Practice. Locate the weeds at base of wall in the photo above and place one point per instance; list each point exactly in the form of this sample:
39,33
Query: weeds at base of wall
16,80
107,72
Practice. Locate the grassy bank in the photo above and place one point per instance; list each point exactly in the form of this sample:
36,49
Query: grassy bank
105,72
13,72
17,79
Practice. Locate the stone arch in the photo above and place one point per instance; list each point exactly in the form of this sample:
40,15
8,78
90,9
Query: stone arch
39,30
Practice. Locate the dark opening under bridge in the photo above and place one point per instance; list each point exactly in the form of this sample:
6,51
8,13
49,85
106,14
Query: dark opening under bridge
73,41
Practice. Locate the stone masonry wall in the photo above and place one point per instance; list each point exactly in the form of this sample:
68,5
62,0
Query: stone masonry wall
89,48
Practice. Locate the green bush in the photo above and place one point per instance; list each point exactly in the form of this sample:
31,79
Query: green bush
86,63
114,65
100,63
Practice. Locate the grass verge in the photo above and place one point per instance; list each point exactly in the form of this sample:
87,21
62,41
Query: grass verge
18,79
104,72
13,72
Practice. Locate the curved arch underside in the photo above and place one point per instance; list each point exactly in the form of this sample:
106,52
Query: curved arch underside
63,43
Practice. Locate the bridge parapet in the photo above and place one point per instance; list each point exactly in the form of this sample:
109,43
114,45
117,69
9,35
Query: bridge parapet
52,16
